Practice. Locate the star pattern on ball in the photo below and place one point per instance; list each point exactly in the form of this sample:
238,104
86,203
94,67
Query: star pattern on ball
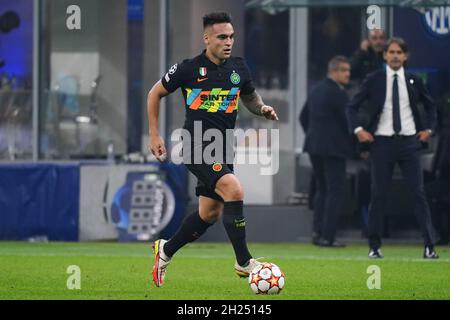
255,279
274,281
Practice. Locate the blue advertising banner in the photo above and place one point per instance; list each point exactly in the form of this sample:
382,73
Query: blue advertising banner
51,201
39,200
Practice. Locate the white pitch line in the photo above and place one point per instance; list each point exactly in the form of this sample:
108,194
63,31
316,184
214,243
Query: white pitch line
3,254
312,257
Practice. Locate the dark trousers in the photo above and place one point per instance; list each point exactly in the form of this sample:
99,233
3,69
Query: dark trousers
385,153
329,175
438,194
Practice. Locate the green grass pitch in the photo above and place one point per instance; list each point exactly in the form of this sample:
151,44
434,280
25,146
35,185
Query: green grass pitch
205,271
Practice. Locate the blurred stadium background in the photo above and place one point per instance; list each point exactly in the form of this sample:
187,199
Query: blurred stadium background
73,124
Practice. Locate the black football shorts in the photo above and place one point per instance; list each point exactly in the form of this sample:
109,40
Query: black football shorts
208,175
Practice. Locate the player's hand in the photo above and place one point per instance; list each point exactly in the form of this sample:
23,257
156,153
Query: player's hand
364,136
269,113
156,146
423,135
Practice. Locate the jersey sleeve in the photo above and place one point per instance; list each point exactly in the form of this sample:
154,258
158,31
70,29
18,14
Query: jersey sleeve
175,77
247,85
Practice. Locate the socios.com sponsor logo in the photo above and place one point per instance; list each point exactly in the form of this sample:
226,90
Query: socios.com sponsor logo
437,21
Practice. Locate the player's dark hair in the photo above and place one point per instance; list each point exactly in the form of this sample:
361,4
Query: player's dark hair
401,43
216,17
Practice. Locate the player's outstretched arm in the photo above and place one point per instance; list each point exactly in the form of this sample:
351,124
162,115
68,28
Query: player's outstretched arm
156,143
254,103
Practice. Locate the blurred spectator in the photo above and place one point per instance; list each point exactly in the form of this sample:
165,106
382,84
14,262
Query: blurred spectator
328,144
369,57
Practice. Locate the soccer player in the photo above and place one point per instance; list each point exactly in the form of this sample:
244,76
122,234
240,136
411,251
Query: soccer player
211,83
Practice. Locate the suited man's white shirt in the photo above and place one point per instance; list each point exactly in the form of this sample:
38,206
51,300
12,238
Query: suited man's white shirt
386,123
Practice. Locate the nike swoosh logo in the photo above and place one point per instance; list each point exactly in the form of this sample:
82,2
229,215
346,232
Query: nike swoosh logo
201,79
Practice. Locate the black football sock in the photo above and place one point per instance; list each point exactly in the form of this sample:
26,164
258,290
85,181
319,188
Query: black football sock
234,223
190,230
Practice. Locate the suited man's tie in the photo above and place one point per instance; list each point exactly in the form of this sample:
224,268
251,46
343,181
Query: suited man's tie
396,106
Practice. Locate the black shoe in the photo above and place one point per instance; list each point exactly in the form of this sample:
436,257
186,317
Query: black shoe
375,254
331,244
429,253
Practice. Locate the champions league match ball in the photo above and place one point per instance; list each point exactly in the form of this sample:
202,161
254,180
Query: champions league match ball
266,278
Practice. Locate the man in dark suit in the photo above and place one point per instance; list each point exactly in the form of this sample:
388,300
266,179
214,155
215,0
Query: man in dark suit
397,129
328,144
